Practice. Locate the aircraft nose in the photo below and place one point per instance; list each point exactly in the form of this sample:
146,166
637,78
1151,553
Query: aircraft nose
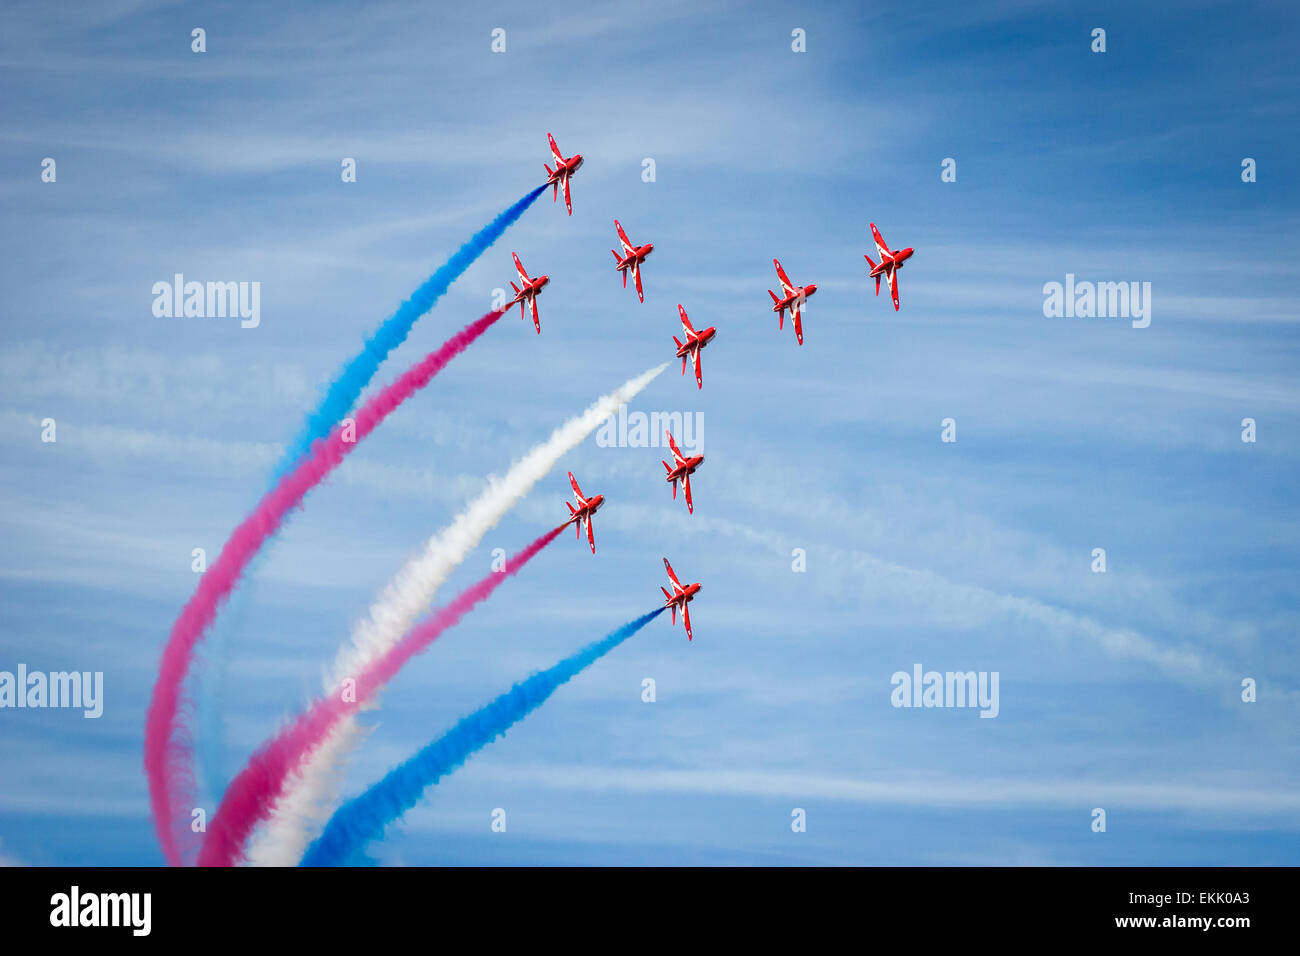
811,288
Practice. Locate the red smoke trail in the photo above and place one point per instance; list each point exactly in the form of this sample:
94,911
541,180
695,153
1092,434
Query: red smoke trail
167,758
252,794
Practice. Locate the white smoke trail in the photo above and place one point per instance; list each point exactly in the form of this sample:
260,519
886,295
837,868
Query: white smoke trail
309,795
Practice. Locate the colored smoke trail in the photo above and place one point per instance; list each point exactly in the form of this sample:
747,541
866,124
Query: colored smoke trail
313,788
167,756
364,818
339,397
251,795
352,380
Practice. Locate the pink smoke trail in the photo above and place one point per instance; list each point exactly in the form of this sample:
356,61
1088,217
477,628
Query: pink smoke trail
252,794
167,756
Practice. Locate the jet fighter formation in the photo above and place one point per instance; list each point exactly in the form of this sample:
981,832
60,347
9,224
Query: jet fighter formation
793,298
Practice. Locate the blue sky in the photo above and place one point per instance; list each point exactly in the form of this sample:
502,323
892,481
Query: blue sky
1119,691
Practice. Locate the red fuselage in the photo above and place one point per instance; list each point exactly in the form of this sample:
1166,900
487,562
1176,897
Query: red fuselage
636,255
565,169
685,468
699,340
796,295
530,289
590,508
684,596
895,259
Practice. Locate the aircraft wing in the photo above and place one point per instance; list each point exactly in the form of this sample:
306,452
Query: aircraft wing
677,452
555,150
686,322
532,300
519,267
690,505
622,237
686,619
695,359
636,274
568,201
880,242
577,492
677,585
893,286
591,535
794,317
786,285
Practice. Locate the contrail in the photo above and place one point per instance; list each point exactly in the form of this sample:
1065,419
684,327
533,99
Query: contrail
312,789
167,757
338,400
251,795
343,392
364,818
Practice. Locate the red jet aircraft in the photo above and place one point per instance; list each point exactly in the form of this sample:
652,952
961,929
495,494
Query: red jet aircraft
680,597
681,470
890,263
793,298
631,259
528,294
564,168
694,342
586,508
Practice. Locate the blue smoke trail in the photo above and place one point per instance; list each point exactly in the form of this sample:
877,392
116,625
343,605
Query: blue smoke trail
364,818
356,375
